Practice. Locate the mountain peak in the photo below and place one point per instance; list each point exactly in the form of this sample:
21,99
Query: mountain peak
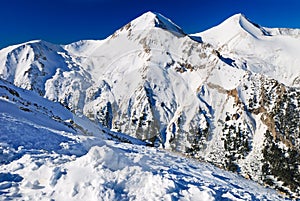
232,27
237,17
151,20
240,21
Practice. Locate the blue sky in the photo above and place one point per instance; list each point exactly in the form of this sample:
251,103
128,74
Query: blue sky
66,21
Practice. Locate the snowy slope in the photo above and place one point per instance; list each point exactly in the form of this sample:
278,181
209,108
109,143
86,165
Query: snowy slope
44,156
228,95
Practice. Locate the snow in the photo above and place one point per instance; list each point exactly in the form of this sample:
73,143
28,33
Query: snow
75,166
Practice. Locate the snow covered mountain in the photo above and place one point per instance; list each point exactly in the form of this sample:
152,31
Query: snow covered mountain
229,95
269,51
47,155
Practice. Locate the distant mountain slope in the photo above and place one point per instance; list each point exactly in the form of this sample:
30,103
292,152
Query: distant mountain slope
229,95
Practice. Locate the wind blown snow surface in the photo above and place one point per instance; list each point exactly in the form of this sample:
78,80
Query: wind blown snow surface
45,157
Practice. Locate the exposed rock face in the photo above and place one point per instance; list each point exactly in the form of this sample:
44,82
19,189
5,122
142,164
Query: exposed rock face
205,96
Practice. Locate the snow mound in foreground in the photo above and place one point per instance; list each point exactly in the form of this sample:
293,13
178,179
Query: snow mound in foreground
115,171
